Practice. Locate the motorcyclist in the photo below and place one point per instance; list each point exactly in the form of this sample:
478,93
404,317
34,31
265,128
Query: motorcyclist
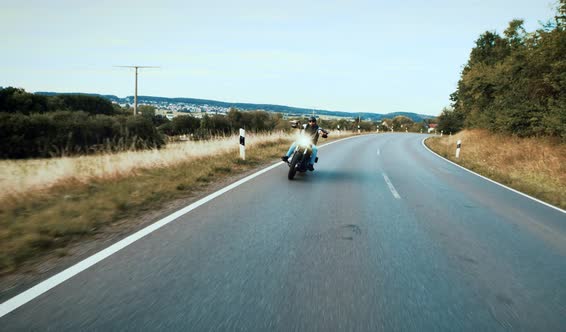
311,130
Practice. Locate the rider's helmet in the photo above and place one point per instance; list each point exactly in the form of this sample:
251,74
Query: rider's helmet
312,119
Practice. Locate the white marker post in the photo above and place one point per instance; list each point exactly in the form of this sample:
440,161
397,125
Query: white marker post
339,130
242,144
458,146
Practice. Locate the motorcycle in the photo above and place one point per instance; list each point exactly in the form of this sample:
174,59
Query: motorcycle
300,158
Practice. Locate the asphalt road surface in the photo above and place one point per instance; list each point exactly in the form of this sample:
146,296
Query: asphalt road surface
383,235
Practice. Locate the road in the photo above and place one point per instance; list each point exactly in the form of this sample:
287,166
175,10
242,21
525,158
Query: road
384,235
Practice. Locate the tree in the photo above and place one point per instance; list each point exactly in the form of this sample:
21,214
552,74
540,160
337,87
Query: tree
386,124
561,15
149,112
515,34
90,104
14,100
401,122
367,126
490,49
344,124
516,83
146,111
450,121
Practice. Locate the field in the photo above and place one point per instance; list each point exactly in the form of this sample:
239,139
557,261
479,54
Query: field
535,166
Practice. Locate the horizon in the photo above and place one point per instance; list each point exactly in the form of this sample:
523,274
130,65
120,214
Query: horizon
223,101
353,57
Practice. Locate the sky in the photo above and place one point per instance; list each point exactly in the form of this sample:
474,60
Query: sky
353,56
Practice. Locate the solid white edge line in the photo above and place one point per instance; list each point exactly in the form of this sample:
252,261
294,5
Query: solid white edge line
44,286
391,187
492,181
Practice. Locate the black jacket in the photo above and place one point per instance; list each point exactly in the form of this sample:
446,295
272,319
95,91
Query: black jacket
312,132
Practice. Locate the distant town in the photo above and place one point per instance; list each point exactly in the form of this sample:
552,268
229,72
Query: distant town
171,107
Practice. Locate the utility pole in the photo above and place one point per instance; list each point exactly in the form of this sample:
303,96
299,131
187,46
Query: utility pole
136,89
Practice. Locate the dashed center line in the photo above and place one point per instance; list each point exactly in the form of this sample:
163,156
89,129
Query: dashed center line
391,187
378,152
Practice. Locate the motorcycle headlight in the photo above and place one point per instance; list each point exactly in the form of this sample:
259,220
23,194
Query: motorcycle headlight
303,140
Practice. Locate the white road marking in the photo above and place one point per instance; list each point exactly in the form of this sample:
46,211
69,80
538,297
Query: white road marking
44,286
492,181
378,152
391,187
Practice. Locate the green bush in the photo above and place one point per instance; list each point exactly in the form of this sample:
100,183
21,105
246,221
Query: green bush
180,125
66,133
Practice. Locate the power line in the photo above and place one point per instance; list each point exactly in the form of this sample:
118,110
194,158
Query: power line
136,90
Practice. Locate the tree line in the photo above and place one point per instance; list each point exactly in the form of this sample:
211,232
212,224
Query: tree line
514,83
45,126
38,126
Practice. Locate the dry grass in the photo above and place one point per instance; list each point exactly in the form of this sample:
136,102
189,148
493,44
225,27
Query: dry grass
22,176
536,166
51,203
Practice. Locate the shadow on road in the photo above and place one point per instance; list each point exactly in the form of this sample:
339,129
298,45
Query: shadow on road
342,176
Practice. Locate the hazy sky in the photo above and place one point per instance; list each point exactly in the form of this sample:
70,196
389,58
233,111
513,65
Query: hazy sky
354,56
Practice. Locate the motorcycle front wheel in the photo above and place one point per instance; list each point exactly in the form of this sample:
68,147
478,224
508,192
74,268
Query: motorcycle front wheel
293,165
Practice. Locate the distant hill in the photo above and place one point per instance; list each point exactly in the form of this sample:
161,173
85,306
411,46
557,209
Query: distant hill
249,107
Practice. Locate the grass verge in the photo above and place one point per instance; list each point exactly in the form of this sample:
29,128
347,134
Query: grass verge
535,166
44,221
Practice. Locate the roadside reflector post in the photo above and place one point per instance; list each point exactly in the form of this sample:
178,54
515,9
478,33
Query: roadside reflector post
242,144
458,146
359,131
441,133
